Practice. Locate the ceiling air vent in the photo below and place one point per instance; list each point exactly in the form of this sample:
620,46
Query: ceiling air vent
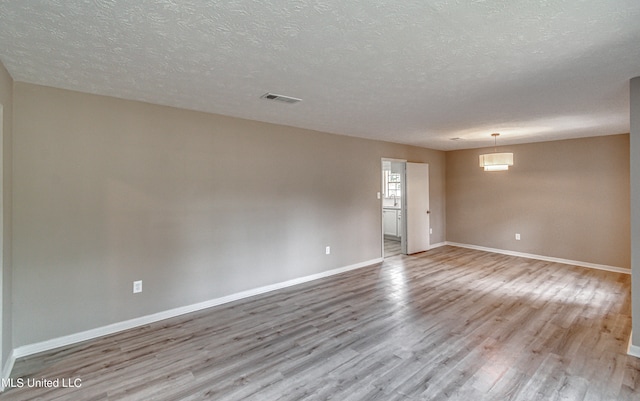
280,98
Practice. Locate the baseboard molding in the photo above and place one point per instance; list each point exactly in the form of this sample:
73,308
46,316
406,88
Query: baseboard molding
6,370
614,269
633,350
63,341
67,340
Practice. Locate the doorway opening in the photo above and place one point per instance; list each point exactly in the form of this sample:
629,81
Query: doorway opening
406,227
393,207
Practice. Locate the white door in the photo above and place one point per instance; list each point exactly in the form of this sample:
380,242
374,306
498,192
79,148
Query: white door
417,216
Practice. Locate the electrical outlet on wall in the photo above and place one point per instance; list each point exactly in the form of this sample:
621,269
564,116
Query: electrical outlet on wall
517,237
327,250
137,286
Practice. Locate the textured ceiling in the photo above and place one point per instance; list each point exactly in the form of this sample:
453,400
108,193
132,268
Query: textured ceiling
409,71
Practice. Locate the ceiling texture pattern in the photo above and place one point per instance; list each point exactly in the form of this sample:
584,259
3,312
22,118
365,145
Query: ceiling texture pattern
410,71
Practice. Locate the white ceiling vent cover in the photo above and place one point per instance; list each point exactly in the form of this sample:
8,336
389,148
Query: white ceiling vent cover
280,98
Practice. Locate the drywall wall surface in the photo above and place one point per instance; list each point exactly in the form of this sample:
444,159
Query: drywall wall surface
6,100
567,199
635,209
197,206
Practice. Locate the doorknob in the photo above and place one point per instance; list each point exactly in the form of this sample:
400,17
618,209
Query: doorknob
428,211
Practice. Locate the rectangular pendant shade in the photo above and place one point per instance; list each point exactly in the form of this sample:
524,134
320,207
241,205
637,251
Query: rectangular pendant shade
496,161
497,167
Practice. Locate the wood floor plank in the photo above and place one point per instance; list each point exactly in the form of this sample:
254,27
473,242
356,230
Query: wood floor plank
447,324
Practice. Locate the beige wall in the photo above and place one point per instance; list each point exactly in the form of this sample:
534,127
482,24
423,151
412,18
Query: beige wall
198,206
6,100
568,199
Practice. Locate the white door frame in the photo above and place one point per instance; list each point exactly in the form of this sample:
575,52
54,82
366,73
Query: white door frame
404,240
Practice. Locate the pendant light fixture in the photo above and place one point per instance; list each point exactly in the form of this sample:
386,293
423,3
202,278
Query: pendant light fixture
496,161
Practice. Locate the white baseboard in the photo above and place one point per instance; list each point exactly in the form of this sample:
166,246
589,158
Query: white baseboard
48,345
63,341
633,350
6,370
614,269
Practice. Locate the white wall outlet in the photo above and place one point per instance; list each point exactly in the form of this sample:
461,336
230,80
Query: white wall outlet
431,231
327,250
137,286
378,195
517,237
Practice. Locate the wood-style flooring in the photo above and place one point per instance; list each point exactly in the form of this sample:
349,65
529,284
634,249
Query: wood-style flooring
447,324
392,248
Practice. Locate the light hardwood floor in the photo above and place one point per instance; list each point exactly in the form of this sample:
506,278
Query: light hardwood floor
448,324
392,248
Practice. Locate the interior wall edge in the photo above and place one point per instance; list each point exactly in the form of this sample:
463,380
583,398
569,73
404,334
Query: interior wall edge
634,182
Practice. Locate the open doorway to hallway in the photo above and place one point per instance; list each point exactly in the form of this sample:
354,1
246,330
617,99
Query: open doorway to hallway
393,207
405,207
